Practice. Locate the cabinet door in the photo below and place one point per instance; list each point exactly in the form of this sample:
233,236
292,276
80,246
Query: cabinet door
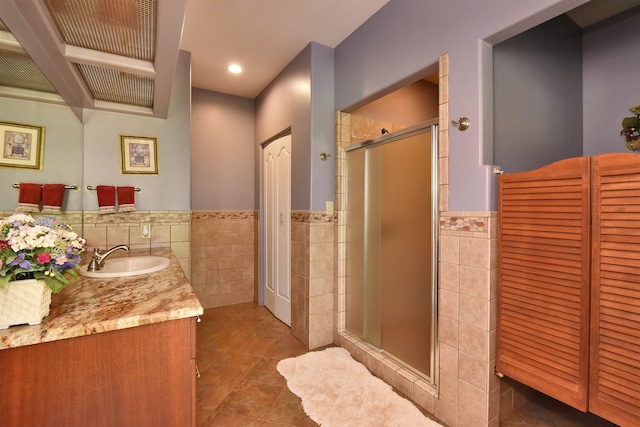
615,298
543,279
139,376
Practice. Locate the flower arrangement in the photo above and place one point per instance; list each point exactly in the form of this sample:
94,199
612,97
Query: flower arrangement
44,249
631,128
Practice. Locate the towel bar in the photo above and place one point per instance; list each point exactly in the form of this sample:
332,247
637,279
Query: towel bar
67,187
91,187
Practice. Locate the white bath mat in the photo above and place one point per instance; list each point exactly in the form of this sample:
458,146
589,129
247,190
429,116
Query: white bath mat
337,391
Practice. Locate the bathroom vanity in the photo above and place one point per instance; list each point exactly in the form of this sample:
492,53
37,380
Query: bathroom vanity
111,352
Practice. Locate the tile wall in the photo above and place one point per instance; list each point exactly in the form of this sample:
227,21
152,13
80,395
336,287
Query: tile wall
514,395
312,272
168,229
224,257
469,389
364,129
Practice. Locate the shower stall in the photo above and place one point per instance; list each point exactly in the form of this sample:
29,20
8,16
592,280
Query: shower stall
391,250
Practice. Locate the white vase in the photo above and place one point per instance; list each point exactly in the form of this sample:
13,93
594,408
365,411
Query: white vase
24,302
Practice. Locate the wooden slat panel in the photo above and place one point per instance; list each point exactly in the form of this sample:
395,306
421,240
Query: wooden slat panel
615,315
543,276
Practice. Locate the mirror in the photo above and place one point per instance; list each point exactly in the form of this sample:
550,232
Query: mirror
26,104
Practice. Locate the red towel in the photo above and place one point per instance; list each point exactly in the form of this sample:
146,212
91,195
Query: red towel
52,197
29,198
106,199
125,199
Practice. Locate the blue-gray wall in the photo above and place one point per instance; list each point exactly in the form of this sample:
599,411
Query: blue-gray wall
288,103
562,92
323,138
62,162
405,39
222,151
538,96
611,83
170,189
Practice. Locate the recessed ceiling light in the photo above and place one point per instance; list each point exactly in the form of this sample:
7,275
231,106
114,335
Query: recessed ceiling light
235,68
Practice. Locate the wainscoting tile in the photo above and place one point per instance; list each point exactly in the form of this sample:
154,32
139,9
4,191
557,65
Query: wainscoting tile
474,312
473,400
449,386
474,341
473,371
448,359
450,277
474,282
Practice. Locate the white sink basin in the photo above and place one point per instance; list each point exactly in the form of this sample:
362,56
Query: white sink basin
127,266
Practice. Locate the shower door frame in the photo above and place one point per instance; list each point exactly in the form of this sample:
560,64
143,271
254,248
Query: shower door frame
431,125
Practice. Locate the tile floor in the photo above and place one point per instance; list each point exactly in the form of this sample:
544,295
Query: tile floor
238,348
543,411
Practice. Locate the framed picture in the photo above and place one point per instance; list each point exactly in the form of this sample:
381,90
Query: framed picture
22,145
139,155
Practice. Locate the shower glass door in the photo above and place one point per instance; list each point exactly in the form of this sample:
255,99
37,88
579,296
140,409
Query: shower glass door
391,245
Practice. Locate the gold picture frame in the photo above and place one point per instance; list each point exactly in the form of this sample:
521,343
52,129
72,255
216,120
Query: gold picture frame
22,146
139,155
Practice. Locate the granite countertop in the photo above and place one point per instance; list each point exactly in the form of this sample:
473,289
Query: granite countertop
90,306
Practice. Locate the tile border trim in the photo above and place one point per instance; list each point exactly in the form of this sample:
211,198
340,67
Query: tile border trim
224,214
467,221
313,217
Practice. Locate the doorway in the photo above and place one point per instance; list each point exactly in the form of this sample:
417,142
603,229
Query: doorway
277,227
391,245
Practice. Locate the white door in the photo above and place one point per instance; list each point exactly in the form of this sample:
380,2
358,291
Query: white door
277,228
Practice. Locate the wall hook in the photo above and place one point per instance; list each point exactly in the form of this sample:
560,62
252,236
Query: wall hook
323,156
462,123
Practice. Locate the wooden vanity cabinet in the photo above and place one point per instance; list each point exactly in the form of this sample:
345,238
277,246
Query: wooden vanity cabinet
139,376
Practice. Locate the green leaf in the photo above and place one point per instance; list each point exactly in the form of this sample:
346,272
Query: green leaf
630,122
59,276
55,285
4,280
39,275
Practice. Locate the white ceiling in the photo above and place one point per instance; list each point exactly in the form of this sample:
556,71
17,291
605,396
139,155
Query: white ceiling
262,36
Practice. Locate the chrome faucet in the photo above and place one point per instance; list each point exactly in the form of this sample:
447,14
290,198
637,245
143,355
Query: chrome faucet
98,257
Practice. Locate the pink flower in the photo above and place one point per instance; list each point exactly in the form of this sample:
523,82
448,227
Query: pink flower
43,258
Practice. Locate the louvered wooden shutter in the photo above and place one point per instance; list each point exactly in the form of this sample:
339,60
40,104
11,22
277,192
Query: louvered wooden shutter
543,279
615,315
